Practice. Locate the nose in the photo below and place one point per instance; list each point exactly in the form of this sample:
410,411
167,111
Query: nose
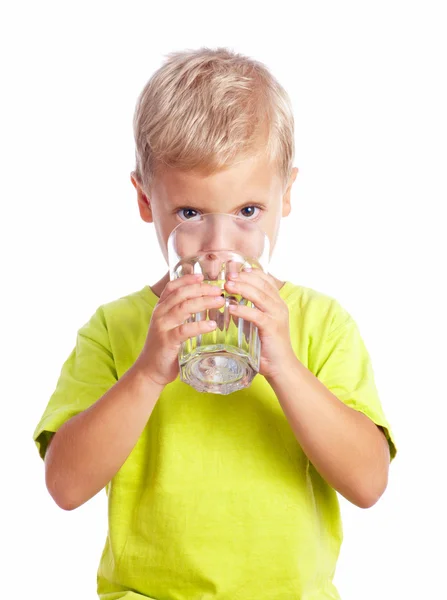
216,236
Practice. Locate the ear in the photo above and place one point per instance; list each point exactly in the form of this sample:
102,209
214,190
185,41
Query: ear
144,204
286,198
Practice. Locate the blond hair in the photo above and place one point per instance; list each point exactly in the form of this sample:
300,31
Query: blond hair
207,109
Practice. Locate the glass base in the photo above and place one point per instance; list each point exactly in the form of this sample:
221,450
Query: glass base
217,371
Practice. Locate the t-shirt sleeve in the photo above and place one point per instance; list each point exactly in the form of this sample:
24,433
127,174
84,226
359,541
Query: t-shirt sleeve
344,366
86,375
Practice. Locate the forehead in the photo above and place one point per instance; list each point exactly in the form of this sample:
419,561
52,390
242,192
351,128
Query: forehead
253,179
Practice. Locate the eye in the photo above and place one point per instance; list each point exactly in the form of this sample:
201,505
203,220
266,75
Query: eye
250,211
186,214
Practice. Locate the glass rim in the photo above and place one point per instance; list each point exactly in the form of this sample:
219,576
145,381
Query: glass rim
201,218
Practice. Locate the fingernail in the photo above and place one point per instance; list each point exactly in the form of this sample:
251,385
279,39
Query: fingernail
248,269
233,275
231,284
211,324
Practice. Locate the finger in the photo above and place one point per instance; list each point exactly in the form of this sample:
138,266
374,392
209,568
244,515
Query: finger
193,290
258,296
175,284
258,278
222,317
185,331
181,312
219,316
250,315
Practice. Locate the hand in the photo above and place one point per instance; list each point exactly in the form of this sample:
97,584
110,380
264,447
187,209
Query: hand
271,316
180,298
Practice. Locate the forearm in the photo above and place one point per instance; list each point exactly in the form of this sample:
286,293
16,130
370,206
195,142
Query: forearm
89,449
346,447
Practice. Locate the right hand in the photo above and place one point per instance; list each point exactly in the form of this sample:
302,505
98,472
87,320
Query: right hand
180,299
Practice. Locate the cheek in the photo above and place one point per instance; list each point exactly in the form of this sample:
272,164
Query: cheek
187,239
272,230
162,241
163,228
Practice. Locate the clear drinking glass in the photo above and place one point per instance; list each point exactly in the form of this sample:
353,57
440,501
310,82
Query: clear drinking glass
215,244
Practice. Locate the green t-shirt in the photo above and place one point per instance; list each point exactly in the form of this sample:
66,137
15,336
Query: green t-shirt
217,500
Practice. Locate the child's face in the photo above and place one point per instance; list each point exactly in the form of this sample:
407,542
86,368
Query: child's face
251,189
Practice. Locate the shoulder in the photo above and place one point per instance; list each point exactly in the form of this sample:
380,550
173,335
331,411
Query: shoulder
141,300
316,309
121,326
124,313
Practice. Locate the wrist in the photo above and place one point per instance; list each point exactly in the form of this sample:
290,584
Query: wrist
290,368
144,378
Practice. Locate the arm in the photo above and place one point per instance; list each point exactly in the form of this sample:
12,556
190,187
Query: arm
90,447
88,450
348,450
345,446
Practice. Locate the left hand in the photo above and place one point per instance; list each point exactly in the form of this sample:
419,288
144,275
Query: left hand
271,316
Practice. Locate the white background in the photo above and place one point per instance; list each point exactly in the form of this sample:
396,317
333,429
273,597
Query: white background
367,81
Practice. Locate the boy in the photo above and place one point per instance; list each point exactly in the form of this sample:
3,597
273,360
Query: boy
211,497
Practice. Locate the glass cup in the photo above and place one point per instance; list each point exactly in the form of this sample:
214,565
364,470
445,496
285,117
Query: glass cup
215,244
